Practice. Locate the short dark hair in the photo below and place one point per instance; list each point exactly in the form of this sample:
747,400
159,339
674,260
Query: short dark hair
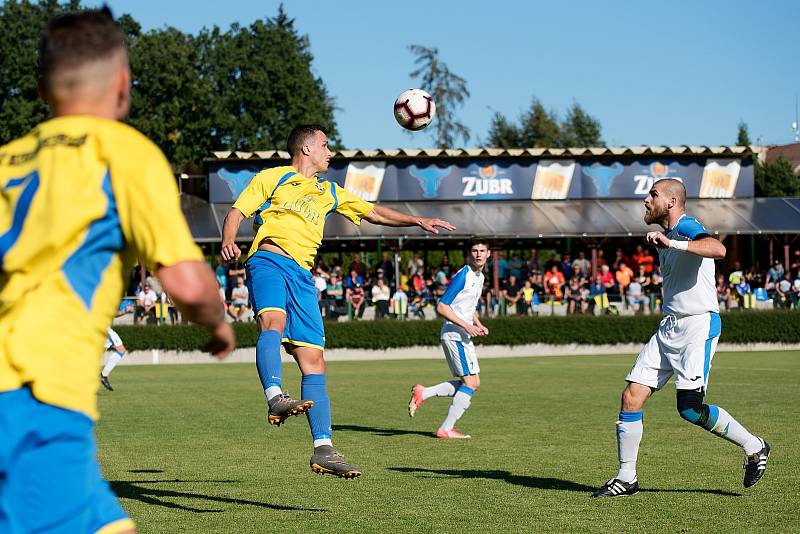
74,39
299,135
479,241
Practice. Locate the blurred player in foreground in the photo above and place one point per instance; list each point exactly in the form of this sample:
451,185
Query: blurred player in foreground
291,205
457,306
83,196
684,343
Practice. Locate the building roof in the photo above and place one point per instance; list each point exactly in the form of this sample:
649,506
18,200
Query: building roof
790,152
683,150
532,219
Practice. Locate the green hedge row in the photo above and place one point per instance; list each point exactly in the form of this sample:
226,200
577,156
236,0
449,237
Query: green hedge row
750,327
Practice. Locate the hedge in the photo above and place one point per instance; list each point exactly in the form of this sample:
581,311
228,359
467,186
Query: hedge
748,327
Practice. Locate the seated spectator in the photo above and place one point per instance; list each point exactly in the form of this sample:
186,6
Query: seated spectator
723,293
240,300
644,280
380,297
354,279
554,283
636,298
579,274
623,276
742,290
399,303
597,294
607,278
357,299
529,296
335,298
441,282
785,297
420,301
619,259
581,264
146,305
513,295
576,297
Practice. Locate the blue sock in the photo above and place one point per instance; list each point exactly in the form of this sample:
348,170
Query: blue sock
319,418
268,359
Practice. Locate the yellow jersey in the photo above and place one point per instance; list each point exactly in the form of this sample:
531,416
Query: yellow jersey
291,210
81,198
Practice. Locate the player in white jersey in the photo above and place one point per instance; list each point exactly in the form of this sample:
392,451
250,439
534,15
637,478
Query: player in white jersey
118,351
457,306
684,343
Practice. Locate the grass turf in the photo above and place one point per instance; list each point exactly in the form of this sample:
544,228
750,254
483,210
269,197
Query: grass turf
187,449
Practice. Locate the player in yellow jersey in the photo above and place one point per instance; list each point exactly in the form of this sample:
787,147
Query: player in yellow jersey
81,197
291,205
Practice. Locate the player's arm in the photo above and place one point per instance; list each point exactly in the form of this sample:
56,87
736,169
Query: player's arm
389,217
447,312
230,228
477,322
705,246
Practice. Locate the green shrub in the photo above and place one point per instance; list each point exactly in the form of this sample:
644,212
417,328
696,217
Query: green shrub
752,327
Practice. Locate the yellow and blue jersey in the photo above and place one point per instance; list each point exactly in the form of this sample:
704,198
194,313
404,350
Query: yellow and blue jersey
81,199
291,209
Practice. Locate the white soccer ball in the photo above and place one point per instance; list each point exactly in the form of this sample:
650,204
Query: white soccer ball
414,109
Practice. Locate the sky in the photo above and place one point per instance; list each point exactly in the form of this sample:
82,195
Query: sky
653,73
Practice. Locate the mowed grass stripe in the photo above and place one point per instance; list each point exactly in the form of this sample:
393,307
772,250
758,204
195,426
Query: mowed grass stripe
188,449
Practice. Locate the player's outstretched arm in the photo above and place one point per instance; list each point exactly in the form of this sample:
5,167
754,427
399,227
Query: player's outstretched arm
230,251
389,217
193,288
705,247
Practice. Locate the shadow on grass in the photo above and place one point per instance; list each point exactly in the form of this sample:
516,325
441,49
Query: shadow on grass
541,483
382,431
145,470
135,490
505,476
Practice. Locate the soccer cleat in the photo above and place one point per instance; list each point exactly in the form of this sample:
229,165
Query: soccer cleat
326,460
617,488
755,465
106,383
416,399
451,434
282,407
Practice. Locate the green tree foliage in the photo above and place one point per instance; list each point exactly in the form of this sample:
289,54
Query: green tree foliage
241,89
537,127
743,137
21,23
449,91
776,179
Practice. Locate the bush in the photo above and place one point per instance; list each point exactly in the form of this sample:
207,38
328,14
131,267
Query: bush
750,327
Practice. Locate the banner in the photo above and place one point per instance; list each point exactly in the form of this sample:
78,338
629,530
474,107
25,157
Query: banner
412,179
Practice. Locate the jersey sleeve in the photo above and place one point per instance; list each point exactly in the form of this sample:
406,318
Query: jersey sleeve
257,192
349,205
455,287
150,211
691,228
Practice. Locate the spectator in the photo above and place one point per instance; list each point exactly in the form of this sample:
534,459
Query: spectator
235,270
420,300
581,264
515,265
380,297
619,259
795,266
655,287
607,278
636,297
576,297
357,299
796,290
359,267
623,276
774,275
221,272
597,293
145,304
513,295
785,297
240,300
723,293
579,274
742,290
533,262
441,282
321,285
601,260
643,258
354,279
416,265
528,296
155,285
566,267
386,266
335,297
554,283
399,303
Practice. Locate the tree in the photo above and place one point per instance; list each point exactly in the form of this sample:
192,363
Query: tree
580,129
449,91
540,128
776,179
743,138
22,22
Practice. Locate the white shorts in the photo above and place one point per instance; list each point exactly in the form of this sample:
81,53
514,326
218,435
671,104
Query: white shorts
112,340
683,346
460,353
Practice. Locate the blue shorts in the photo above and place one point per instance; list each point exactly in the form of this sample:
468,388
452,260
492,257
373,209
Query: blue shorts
50,480
278,283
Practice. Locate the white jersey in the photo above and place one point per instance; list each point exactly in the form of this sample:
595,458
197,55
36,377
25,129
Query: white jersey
689,284
462,296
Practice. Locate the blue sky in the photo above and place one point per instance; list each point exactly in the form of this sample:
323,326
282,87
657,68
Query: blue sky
668,73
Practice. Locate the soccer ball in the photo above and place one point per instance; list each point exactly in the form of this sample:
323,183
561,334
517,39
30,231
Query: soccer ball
414,109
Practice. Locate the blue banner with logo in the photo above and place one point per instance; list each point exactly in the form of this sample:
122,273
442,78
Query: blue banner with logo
464,179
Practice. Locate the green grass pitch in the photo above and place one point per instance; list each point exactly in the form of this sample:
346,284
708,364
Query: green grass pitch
187,449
